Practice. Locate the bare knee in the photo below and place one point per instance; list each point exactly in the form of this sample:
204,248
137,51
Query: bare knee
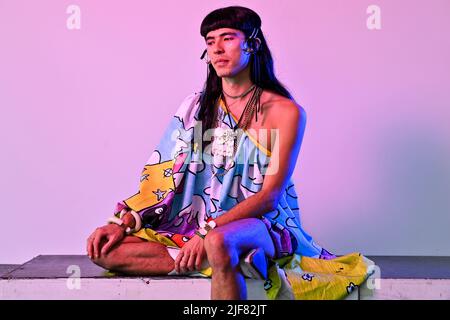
220,253
111,260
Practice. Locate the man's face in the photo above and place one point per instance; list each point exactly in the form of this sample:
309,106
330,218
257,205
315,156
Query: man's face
225,49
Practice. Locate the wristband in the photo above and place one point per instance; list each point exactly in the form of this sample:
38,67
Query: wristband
199,234
137,219
115,220
119,222
207,227
122,213
210,225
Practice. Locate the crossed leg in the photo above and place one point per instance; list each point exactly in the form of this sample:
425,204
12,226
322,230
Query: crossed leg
136,256
225,246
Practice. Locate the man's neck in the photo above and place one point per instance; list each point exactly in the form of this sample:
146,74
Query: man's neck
238,84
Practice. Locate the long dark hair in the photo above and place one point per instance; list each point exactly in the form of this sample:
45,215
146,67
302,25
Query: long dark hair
261,73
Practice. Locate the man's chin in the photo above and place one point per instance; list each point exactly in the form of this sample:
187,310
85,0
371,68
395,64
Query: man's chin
222,74
225,74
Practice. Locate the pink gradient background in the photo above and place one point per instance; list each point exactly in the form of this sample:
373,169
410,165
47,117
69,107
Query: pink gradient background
81,111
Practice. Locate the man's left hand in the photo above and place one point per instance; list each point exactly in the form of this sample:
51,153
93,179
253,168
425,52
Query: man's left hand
191,255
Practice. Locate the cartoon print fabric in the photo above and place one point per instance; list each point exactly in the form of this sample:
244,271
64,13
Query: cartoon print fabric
178,190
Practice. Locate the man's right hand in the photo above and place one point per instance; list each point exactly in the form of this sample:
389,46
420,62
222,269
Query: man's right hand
111,233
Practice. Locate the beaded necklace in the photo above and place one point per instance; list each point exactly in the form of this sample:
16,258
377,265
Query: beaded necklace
229,137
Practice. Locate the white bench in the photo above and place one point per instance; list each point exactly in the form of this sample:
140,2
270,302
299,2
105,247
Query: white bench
76,277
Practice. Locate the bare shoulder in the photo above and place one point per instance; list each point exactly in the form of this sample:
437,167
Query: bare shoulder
282,111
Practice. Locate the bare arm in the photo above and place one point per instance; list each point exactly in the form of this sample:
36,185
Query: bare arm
291,124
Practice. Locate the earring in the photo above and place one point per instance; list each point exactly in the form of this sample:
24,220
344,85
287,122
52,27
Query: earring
248,50
252,45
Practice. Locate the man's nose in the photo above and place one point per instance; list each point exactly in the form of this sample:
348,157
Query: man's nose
218,48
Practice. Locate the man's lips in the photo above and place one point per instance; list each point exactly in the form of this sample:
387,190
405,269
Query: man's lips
221,61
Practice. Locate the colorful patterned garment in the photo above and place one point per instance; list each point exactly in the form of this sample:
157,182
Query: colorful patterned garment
178,191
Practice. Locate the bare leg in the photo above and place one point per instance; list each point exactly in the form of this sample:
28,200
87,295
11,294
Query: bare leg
135,256
224,247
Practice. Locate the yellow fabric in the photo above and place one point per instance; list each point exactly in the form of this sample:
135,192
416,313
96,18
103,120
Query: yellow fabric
151,179
319,279
151,235
308,278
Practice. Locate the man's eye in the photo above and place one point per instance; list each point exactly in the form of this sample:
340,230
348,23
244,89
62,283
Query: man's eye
211,43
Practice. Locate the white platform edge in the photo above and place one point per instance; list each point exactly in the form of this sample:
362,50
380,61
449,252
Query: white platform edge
120,289
407,289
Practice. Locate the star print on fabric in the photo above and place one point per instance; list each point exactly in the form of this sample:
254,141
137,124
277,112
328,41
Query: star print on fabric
351,287
168,172
159,193
307,277
267,284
